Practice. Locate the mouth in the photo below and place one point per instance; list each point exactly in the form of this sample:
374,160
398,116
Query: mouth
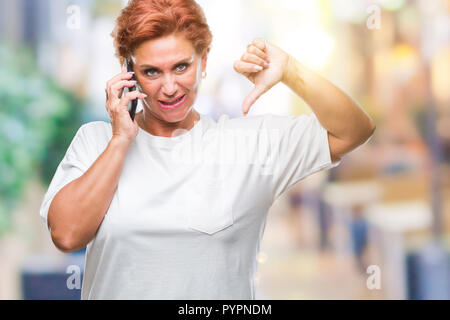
167,105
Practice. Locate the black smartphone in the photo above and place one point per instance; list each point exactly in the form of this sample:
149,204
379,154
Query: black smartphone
133,103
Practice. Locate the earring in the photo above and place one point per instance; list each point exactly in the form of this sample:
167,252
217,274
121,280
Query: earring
204,74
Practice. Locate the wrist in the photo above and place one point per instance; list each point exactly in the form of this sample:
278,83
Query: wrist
292,75
288,70
120,143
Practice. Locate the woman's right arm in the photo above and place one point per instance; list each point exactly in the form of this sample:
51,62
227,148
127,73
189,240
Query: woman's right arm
78,209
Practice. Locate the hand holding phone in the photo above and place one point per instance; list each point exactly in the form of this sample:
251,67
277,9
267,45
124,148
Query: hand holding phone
123,93
133,103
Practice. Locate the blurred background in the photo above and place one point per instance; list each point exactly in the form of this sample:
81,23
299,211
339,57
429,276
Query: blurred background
375,227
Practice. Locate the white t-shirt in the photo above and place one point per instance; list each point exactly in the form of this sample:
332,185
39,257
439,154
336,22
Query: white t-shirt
189,211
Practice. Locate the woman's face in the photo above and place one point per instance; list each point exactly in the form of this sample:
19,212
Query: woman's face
168,68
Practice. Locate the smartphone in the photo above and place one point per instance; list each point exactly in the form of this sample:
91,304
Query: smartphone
133,103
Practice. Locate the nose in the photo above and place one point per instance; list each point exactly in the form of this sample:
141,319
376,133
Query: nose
169,87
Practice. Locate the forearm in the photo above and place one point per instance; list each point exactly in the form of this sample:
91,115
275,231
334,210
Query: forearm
78,209
339,114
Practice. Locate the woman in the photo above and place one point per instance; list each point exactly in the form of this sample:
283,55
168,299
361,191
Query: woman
173,205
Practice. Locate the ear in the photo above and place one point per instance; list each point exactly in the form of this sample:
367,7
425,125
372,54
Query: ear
204,60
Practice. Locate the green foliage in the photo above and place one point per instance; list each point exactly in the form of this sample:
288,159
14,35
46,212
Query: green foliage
37,121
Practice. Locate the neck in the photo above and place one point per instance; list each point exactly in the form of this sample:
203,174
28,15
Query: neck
158,127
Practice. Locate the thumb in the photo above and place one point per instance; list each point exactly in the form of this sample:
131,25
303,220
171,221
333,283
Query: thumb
252,97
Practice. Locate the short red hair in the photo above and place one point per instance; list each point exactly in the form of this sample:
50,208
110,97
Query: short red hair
143,20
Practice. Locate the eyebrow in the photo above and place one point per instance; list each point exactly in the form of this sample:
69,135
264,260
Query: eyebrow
148,66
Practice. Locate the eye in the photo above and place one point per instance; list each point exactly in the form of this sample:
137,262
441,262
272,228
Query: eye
185,65
181,67
147,72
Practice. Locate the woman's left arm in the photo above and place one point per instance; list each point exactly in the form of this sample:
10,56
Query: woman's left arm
348,125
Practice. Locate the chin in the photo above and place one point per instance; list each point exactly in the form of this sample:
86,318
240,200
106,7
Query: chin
176,115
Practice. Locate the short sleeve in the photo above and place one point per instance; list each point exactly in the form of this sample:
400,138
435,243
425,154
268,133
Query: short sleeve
302,149
78,158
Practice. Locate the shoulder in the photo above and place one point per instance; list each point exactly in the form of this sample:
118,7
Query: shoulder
95,126
97,133
96,129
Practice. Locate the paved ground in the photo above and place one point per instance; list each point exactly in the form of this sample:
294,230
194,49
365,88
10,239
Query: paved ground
292,267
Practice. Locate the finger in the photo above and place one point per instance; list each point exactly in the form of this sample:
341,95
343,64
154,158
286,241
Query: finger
118,77
249,57
258,52
252,97
260,43
242,67
127,97
117,88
